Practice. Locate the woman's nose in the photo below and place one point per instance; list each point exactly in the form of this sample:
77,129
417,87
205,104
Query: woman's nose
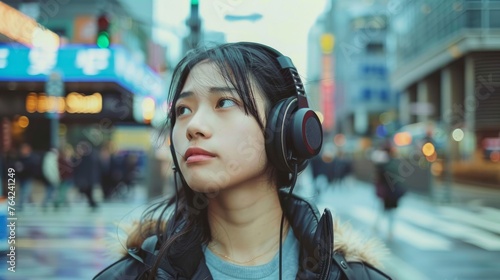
198,126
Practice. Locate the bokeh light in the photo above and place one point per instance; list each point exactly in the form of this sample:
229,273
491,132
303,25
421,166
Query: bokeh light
402,139
428,149
436,168
23,121
339,140
458,134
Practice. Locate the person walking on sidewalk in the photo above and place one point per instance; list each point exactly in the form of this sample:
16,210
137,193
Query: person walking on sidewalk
26,166
65,165
51,176
388,186
86,171
109,172
235,110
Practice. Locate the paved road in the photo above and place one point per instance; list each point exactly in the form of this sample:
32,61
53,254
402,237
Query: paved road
72,243
429,241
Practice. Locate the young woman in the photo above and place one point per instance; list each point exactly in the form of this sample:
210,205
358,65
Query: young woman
240,132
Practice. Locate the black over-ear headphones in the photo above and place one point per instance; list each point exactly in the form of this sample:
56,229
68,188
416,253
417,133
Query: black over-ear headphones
293,131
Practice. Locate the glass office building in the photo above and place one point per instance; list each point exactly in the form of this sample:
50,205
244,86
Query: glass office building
446,64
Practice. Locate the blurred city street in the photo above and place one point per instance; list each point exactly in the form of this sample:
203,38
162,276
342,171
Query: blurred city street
430,240
407,93
71,243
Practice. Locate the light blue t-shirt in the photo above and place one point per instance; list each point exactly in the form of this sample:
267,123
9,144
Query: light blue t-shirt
221,269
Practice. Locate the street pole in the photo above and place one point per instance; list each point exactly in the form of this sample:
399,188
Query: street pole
448,165
194,24
54,88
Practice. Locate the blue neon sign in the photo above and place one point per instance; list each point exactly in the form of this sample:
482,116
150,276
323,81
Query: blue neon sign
79,63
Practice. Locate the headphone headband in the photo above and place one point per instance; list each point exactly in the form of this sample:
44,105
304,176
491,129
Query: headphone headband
286,63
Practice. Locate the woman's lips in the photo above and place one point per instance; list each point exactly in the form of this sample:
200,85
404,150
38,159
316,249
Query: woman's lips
196,154
198,158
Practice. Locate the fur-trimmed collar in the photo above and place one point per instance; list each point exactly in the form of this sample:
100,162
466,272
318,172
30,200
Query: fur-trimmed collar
350,243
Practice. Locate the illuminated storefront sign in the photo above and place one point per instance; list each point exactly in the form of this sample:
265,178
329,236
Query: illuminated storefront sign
80,64
73,103
71,106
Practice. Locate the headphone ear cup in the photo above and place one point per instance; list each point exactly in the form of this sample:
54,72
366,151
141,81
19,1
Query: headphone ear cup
292,132
306,133
276,146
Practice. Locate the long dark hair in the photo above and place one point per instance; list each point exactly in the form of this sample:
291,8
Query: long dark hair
241,65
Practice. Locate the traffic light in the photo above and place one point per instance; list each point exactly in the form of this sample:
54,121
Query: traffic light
103,38
194,24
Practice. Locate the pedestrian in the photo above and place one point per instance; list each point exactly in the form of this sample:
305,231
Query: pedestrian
26,167
65,165
342,168
388,186
108,166
51,178
86,171
240,132
321,172
130,164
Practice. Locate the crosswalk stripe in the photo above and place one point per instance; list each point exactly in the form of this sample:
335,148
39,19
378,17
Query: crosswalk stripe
490,214
469,218
408,233
479,229
480,238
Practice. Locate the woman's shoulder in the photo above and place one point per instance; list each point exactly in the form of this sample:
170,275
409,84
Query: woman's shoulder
363,256
127,267
354,246
133,247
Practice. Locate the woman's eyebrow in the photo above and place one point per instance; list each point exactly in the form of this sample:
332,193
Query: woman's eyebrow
215,90
230,90
185,94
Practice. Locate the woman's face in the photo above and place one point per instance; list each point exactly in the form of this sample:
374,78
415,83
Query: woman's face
217,145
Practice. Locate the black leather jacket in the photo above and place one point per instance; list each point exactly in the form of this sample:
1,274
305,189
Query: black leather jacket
318,260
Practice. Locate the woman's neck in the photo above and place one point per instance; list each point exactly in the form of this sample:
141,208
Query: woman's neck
245,224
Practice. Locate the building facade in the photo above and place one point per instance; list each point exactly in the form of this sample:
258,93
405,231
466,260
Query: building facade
446,64
82,85
354,74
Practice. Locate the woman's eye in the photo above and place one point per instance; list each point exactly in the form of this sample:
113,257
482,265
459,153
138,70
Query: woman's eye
181,110
224,103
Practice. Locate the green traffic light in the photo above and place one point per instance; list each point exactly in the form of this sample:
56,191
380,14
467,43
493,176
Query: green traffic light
103,40
194,2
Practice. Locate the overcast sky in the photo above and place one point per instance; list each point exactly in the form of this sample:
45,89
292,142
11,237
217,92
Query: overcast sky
284,24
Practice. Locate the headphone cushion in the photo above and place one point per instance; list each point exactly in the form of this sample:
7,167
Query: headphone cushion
306,133
276,142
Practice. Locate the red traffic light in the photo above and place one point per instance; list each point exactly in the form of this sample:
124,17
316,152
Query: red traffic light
102,23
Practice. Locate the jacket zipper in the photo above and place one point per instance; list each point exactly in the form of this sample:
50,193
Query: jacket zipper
329,233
